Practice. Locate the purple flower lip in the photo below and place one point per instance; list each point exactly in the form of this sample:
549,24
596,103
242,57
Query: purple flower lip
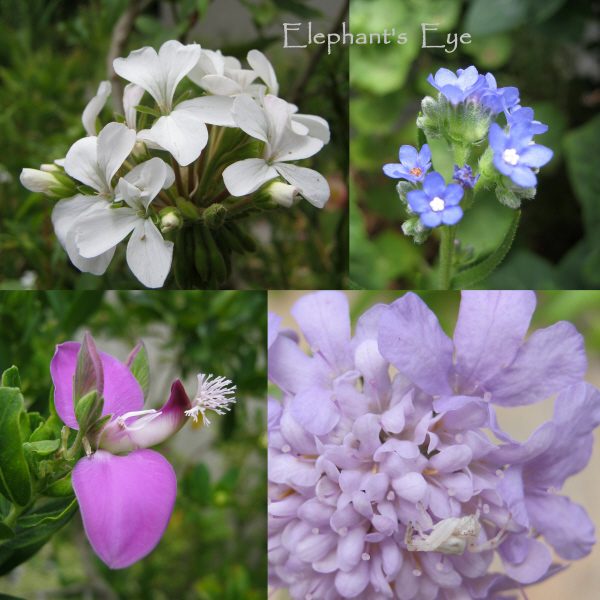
413,165
437,202
514,154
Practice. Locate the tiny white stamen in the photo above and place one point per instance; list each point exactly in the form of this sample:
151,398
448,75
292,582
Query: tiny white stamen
212,395
365,556
500,474
315,530
486,509
314,349
308,596
439,566
391,496
286,448
510,156
333,397
487,396
343,531
459,438
416,573
437,204
121,422
451,492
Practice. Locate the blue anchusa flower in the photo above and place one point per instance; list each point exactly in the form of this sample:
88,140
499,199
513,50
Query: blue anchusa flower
413,165
437,202
464,176
519,113
514,154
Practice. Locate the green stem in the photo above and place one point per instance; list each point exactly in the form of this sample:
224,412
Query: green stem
13,515
467,199
178,181
72,451
446,251
461,154
238,206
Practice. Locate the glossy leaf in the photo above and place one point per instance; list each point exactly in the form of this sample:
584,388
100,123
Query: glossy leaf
43,448
49,512
15,482
6,533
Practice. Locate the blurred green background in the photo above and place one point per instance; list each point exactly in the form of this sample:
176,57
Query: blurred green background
581,579
551,52
53,55
215,545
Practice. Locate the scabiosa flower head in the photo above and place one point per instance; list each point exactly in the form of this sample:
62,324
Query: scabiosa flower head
464,176
524,113
515,155
437,202
413,166
362,466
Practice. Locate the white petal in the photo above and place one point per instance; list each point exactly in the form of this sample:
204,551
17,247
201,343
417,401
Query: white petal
278,116
145,137
60,162
176,61
215,110
96,265
246,176
182,133
312,185
115,143
209,63
231,62
148,255
130,194
37,181
132,96
292,146
250,117
243,77
150,176
317,126
67,211
94,106
260,63
219,85
81,163
299,128
142,67
98,232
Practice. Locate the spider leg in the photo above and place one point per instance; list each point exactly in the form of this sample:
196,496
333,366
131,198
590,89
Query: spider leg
492,543
426,516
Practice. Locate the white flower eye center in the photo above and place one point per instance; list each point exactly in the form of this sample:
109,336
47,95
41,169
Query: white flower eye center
510,156
437,204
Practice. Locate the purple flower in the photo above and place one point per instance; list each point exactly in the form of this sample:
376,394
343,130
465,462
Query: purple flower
413,166
520,113
464,176
515,155
437,202
362,466
126,501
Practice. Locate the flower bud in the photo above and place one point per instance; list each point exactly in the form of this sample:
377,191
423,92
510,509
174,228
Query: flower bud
215,215
89,409
38,181
283,194
50,168
170,219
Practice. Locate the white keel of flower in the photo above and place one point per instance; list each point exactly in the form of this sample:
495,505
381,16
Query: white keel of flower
452,535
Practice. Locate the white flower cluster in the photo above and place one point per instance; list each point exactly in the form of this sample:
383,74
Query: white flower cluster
91,219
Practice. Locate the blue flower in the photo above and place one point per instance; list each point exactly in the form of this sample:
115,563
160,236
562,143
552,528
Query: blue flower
437,202
520,113
515,156
464,176
456,87
413,166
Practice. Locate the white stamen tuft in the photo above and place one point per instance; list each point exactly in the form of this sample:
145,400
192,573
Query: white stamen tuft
451,491
365,556
459,438
343,531
286,448
391,496
437,204
416,573
212,395
510,156
486,509
439,566
500,474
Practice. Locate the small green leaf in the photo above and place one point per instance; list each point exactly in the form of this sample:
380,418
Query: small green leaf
35,419
182,98
62,488
62,192
64,179
89,409
10,378
480,271
49,512
119,118
15,482
55,425
43,432
6,533
139,366
95,431
42,448
86,189
147,110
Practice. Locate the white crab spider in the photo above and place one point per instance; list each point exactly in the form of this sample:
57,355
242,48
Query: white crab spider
452,535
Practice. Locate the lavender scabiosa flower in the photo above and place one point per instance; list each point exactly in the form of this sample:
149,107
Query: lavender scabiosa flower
413,166
389,487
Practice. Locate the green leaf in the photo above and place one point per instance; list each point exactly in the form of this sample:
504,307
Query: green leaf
49,512
35,419
6,533
15,482
89,409
88,371
10,378
61,488
480,271
62,192
42,448
147,110
182,98
28,540
43,432
139,366
485,17
7,597
86,190
66,181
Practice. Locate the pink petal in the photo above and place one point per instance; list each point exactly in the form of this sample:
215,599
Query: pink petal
122,393
126,503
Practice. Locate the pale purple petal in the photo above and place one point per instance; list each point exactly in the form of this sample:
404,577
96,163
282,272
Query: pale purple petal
411,339
122,392
533,567
352,583
314,409
274,323
550,360
126,503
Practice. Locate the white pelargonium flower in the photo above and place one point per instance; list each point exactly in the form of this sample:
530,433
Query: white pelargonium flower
94,161
95,106
181,130
271,124
148,255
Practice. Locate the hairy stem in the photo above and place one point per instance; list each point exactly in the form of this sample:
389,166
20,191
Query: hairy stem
446,251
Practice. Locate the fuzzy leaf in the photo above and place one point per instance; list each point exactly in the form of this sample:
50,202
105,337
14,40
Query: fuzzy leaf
43,448
6,533
62,488
10,378
49,512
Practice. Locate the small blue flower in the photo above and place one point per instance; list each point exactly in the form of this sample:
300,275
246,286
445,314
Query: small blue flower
413,166
437,202
515,156
520,113
464,176
456,87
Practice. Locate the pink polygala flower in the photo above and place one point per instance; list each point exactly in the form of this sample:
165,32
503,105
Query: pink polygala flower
126,501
